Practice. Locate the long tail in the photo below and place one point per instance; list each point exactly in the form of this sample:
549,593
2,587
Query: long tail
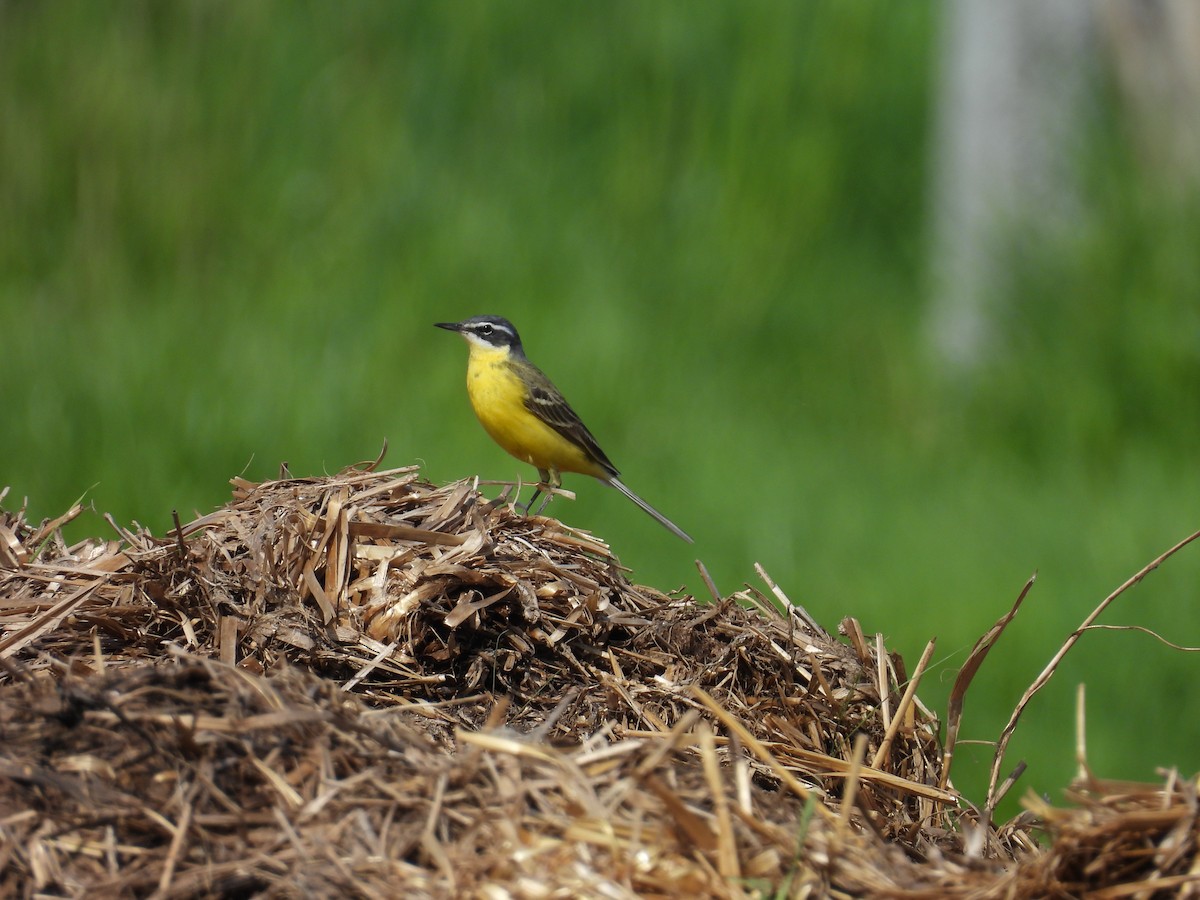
662,520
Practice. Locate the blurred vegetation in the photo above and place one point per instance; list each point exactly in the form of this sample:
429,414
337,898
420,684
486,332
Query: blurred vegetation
229,227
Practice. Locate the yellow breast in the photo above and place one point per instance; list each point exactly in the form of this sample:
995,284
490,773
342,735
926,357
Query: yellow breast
498,395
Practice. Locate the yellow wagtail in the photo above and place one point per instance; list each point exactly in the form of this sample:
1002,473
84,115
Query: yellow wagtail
527,415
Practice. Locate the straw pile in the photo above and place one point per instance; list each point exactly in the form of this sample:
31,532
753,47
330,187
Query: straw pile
369,686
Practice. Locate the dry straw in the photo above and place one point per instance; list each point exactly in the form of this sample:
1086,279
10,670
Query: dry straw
366,685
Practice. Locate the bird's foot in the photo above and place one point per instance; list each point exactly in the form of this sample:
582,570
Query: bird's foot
546,492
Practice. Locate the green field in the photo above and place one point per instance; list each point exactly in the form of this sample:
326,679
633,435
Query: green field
228,228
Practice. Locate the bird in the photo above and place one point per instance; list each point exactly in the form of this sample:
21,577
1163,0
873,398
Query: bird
528,416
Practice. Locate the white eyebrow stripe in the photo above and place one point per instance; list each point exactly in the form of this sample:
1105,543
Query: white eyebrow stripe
478,328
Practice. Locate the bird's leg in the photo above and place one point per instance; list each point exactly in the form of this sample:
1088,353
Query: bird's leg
543,481
552,480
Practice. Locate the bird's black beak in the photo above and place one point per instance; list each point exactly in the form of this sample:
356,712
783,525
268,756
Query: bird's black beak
449,326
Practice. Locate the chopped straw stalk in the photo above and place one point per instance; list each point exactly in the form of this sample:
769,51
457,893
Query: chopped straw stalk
365,684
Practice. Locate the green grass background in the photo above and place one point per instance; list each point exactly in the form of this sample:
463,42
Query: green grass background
228,227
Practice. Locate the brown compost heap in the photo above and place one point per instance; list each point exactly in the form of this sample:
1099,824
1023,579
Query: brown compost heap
366,685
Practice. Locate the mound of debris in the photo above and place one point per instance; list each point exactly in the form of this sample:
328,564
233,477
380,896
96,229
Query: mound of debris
366,684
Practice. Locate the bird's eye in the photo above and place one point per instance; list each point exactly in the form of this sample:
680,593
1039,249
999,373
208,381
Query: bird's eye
485,329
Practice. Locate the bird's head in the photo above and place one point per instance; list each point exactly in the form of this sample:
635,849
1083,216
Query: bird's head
487,332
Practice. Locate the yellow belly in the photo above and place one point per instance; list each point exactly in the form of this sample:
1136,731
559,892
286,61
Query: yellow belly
498,397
